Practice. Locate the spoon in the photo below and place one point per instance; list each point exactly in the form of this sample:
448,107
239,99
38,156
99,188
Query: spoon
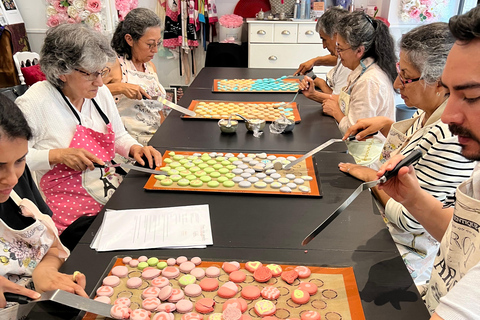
287,104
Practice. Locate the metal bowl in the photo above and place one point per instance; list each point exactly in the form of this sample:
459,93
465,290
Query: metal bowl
255,123
223,124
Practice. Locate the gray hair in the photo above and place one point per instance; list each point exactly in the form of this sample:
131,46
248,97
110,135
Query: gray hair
135,24
326,23
73,46
427,48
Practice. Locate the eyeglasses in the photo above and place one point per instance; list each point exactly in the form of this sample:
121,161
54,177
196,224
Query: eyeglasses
402,80
341,50
94,75
152,46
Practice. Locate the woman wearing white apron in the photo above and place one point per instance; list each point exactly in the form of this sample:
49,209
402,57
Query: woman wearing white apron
133,79
76,124
423,52
29,243
366,47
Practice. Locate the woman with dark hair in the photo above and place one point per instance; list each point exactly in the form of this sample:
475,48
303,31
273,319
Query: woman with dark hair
133,77
366,47
76,125
29,241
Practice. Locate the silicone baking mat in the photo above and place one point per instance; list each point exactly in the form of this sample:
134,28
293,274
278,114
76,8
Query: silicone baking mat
270,111
192,174
337,297
256,85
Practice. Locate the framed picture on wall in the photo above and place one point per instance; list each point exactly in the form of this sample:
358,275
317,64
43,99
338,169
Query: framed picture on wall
171,94
9,13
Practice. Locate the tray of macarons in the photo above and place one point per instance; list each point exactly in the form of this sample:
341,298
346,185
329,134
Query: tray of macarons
179,288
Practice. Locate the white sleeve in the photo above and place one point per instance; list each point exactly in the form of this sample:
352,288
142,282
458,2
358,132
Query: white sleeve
461,302
36,159
365,99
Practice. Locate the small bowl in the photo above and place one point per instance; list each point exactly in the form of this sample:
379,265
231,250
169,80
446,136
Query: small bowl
223,124
290,126
254,123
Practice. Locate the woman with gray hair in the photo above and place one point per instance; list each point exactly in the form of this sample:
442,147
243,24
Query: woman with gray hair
134,77
423,54
337,77
76,126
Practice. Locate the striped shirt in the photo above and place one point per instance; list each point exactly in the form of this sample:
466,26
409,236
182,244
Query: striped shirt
439,171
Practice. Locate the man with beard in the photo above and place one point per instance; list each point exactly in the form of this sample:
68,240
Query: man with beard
454,287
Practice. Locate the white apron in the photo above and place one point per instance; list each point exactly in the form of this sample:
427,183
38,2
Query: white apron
363,152
141,118
458,251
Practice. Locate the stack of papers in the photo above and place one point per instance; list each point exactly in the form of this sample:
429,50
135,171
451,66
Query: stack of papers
174,227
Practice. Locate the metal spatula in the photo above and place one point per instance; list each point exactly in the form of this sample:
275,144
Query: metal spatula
319,148
175,106
67,299
411,158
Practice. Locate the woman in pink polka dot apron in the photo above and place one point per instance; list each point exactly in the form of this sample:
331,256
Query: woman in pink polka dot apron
72,194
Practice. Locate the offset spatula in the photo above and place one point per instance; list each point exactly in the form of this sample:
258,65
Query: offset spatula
65,298
411,158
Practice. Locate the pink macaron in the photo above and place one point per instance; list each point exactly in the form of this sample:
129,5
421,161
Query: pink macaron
186,266
120,271
151,303
184,306
150,292
196,260
160,282
165,293
212,272
105,291
198,273
140,314
170,272
111,281
177,295
193,290
134,282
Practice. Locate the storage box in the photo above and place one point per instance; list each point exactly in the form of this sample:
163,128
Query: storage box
230,33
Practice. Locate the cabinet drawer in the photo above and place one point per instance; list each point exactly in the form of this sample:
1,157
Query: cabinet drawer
260,32
285,33
288,56
307,34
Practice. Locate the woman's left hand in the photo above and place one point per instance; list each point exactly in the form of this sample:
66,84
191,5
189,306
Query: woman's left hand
48,279
137,152
358,171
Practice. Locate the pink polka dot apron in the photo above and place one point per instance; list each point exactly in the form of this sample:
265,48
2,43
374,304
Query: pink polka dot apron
71,194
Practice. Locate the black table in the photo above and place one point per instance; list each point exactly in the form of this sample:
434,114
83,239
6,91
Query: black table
268,228
313,130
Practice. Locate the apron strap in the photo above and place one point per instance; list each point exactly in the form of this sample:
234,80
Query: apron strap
75,112
364,68
15,197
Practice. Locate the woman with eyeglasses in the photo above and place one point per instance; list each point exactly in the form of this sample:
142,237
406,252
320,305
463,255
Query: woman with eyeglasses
366,47
423,54
133,79
76,126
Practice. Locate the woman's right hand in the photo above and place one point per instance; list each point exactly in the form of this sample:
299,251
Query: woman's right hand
307,86
77,159
133,91
305,67
9,286
367,126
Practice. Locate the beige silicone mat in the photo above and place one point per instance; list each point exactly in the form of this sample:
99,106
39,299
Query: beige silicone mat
337,297
304,168
268,110
245,85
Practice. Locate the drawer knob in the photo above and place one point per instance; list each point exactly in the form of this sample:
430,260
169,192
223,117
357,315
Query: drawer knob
285,32
261,32
309,33
272,58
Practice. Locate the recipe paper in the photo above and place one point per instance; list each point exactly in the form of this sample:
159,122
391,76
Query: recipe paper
173,227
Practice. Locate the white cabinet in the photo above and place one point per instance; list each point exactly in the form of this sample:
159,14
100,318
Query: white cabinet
283,44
